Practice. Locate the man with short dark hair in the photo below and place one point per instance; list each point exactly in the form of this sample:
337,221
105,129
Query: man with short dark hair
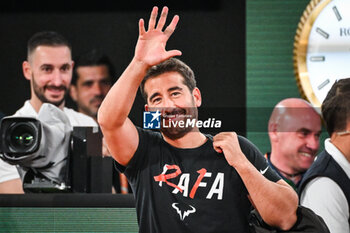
325,187
182,179
49,68
92,78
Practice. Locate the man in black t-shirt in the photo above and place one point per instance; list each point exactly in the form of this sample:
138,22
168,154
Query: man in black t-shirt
183,180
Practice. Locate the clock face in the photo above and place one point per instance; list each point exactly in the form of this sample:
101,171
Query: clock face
328,49
322,48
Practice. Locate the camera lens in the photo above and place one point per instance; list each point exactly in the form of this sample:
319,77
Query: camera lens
22,136
19,136
22,139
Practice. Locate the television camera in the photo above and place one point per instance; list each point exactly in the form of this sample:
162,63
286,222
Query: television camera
52,156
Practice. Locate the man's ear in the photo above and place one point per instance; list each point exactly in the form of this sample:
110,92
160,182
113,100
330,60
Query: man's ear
27,70
73,92
146,108
272,130
197,96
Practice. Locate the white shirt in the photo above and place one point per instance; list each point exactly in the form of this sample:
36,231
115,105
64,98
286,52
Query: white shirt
9,172
326,198
75,118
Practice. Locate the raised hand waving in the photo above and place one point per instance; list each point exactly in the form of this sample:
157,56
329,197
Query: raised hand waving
150,48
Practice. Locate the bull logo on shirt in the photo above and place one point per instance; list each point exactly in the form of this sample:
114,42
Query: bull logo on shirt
183,213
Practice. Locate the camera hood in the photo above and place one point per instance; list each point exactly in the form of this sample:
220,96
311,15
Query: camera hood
38,144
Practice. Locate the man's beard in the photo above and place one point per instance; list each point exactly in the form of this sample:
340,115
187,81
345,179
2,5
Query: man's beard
90,111
39,92
174,133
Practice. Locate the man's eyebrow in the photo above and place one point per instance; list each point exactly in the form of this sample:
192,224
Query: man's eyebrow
88,81
65,65
46,65
174,88
169,90
304,130
308,131
154,95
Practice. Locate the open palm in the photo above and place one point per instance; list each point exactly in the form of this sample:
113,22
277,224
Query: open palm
150,47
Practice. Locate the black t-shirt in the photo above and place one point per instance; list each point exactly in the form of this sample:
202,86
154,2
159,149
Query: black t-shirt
190,190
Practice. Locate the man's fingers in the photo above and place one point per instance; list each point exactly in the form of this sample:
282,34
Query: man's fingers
217,147
173,53
153,18
171,28
220,137
142,29
224,140
162,18
225,135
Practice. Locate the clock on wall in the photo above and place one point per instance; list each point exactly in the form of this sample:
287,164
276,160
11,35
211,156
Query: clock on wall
322,48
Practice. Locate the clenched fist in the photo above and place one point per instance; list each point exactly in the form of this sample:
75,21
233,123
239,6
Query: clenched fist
227,143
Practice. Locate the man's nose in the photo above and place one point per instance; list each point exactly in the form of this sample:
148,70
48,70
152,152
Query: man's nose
168,104
57,79
97,89
313,142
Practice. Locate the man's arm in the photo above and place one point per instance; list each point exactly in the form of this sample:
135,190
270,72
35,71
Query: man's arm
120,133
335,210
11,186
9,179
276,202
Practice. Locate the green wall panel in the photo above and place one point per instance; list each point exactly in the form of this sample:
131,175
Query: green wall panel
121,220
270,31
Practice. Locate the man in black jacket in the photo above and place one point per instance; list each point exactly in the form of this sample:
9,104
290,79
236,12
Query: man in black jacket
325,187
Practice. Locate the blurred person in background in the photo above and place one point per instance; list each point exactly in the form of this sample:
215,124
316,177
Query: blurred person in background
294,130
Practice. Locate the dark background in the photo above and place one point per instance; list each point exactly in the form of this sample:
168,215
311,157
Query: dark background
210,34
